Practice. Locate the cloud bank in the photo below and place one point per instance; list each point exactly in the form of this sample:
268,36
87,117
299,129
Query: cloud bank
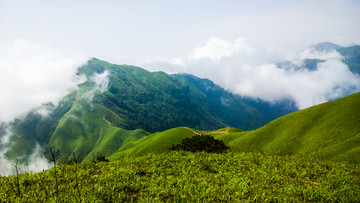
36,162
33,74
244,70
101,82
217,48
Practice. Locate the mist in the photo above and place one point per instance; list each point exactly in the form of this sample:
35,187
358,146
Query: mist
32,74
254,72
101,82
35,161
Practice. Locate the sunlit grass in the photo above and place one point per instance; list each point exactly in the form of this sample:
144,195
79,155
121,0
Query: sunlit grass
194,177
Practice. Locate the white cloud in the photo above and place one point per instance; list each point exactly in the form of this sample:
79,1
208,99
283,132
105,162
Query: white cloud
36,162
101,81
33,74
322,55
255,73
101,85
332,79
216,48
311,53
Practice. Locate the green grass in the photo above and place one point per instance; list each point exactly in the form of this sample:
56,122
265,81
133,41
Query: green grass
190,177
156,101
84,131
157,142
308,156
330,130
33,129
326,131
135,99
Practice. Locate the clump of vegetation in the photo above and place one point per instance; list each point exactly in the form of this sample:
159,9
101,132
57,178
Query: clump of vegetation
198,143
100,158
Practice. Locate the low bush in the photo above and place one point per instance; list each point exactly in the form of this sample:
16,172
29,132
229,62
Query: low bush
100,158
206,143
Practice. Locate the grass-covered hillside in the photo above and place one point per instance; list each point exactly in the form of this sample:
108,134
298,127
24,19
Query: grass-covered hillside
111,120
119,104
306,156
326,131
85,131
158,142
156,101
189,177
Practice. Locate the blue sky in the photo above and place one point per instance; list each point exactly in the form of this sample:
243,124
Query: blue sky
234,43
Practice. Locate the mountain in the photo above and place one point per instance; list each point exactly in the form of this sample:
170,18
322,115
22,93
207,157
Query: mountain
326,131
351,57
156,101
222,103
325,46
119,104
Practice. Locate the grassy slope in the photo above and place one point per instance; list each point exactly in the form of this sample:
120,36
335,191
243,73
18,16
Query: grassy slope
328,131
84,132
190,177
159,142
153,101
153,143
156,101
34,129
231,109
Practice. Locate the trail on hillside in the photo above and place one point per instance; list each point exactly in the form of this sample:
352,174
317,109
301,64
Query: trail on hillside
191,130
103,117
226,130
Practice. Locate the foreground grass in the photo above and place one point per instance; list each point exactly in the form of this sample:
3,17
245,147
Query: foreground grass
186,176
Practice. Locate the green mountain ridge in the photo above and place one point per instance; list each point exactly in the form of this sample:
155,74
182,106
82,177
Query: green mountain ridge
109,109
155,101
330,131
130,111
326,131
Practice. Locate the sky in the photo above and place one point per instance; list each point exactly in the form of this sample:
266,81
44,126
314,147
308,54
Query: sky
234,43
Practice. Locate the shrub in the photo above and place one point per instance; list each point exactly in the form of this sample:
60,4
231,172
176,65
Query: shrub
100,158
205,143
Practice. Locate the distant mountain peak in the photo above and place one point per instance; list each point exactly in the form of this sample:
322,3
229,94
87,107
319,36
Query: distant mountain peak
325,46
